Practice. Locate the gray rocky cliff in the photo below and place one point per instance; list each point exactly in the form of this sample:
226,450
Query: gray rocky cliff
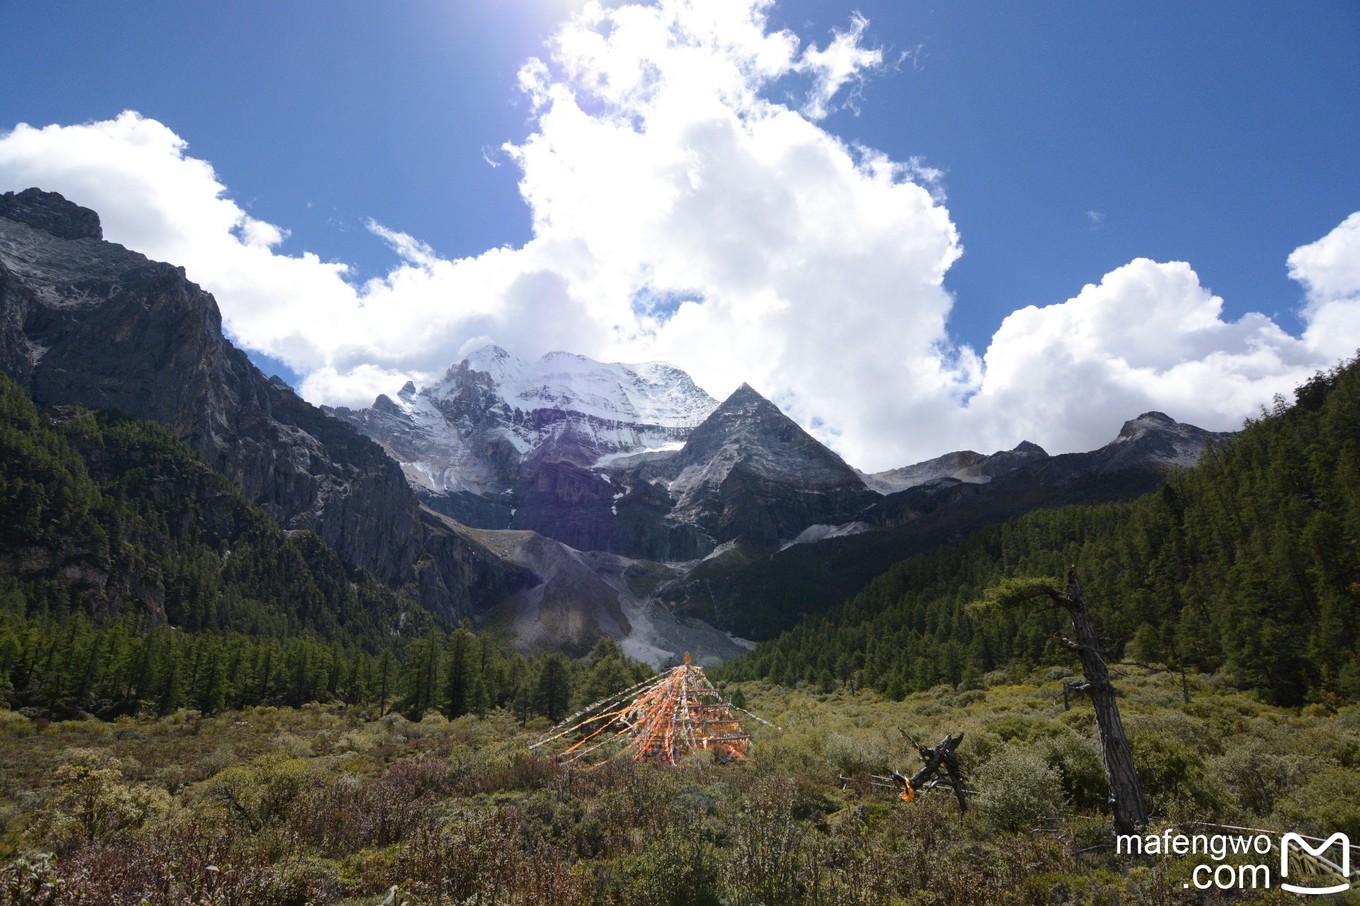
750,472
89,322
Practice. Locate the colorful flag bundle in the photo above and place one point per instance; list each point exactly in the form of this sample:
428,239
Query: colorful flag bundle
664,718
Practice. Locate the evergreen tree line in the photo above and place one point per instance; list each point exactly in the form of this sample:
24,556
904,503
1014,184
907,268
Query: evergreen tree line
135,579
112,517
1248,562
69,665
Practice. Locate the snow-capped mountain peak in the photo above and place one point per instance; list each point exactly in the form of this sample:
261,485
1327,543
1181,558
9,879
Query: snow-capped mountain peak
651,393
489,414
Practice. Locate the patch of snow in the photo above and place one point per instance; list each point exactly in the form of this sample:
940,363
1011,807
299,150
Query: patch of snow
814,533
740,642
721,549
35,353
669,446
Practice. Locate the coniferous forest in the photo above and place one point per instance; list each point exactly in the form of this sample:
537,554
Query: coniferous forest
1248,563
135,580
202,708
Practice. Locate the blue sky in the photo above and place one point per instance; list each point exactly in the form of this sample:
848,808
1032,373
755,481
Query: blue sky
1222,134
1061,140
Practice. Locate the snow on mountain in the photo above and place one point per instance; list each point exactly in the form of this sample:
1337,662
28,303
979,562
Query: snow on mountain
652,393
475,428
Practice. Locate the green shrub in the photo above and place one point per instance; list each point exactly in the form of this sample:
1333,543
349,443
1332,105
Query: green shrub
1256,773
858,753
31,880
1076,758
258,794
1017,787
677,867
1175,777
94,802
1324,803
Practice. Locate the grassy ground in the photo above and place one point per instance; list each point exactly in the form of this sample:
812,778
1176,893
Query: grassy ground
331,805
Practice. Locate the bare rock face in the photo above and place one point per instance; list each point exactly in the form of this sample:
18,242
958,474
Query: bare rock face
750,472
51,213
616,511
89,322
1156,439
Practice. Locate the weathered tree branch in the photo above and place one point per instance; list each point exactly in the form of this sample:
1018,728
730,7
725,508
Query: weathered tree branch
1126,794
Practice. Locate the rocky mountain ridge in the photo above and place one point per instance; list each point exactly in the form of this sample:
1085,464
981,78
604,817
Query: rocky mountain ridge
85,321
749,494
668,488
560,498
962,465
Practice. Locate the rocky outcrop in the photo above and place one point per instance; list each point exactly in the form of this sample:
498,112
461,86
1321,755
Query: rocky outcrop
963,465
51,213
750,472
1156,439
87,321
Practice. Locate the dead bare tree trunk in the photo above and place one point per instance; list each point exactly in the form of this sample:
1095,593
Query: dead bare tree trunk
1126,794
936,758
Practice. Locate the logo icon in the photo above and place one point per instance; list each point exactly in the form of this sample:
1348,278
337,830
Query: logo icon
1316,863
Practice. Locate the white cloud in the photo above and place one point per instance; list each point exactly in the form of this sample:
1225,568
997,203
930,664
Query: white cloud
812,270
348,340
1329,270
1149,336
842,62
687,206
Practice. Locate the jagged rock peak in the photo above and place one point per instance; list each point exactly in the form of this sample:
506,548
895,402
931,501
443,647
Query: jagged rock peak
51,213
751,427
1154,438
490,359
1148,421
1031,448
476,438
745,407
749,471
746,395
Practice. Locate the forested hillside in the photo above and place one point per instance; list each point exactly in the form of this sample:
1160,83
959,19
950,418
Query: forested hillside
134,578
1249,561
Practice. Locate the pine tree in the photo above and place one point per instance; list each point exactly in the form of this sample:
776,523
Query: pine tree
552,695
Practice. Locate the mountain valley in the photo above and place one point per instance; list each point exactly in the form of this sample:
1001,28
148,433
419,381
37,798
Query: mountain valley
560,499
309,655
